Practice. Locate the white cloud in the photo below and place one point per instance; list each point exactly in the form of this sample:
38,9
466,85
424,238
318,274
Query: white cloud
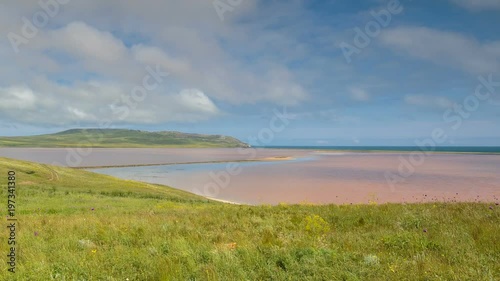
477,5
189,105
428,101
87,42
88,56
197,102
154,55
80,115
88,103
17,98
194,59
445,48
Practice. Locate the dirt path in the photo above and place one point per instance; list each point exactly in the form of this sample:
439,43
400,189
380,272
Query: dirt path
54,176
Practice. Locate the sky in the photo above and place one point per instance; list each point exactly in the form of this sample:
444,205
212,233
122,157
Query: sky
296,72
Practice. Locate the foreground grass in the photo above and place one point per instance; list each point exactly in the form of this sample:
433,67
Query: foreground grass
76,225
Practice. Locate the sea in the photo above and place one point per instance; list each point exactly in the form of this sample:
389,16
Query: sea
460,149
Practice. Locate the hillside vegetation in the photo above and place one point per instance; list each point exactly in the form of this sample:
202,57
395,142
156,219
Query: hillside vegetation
120,138
77,225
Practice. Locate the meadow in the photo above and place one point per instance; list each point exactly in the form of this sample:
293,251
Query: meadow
77,225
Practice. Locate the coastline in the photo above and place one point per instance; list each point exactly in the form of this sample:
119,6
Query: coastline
224,201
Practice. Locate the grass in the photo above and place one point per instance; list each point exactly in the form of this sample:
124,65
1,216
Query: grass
120,138
76,225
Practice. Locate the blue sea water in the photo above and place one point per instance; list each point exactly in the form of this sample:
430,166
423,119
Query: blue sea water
472,149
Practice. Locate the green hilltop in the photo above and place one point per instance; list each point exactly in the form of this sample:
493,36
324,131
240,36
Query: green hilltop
121,138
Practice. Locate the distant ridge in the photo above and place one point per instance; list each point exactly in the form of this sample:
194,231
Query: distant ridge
121,138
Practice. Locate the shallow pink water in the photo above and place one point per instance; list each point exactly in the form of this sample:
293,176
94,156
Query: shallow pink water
314,178
353,178
80,157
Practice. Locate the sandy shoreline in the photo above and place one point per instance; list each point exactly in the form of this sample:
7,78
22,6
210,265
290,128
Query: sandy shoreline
225,201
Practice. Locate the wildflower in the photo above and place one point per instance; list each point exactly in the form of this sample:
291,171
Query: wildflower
316,225
425,230
392,268
92,209
86,243
371,260
94,251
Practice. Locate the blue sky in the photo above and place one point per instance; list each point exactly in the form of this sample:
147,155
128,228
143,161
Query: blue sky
230,70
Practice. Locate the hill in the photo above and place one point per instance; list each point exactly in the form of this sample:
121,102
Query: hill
121,138
77,225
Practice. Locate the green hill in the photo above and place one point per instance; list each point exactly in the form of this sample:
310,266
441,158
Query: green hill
120,138
77,225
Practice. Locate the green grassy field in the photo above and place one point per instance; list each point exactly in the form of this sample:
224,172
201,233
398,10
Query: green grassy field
120,138
76,225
